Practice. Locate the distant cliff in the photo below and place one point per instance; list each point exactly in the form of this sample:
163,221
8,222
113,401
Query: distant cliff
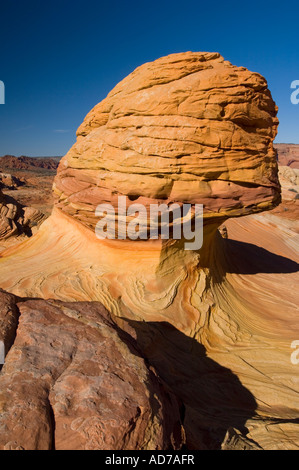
27,163
288,154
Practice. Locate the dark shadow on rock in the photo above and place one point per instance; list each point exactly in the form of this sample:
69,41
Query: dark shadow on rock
213,398
246,258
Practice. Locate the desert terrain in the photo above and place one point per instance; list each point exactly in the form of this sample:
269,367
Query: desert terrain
25,182
121,344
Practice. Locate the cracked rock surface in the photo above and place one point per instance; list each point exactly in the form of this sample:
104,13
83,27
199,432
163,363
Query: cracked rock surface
73,379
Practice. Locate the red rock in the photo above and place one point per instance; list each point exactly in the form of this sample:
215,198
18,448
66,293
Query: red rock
288,155
25,163
74,380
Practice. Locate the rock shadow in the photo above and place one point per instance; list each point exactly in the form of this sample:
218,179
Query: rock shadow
212,397
247,258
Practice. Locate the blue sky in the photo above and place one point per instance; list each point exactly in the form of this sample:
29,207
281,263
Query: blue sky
59,58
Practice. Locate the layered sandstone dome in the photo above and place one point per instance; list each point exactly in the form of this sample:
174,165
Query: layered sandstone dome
186,128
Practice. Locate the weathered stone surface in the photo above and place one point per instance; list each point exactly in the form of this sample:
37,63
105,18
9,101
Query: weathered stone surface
186,128
289,208
9,181
9,315
234,440
16,219
74,380
288,155
289,179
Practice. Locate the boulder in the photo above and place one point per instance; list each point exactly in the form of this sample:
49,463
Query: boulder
74,380
16,219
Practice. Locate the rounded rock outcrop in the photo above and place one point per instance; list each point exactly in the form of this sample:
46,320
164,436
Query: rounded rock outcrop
186,128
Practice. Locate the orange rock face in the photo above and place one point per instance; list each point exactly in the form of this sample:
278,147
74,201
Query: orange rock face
186,128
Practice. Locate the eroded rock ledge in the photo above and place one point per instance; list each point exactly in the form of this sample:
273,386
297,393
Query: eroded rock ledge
73,379
16,219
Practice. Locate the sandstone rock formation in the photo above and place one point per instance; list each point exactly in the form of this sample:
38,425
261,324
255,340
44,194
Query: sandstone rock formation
288,155
187,128
288,210
234,440
73,380
16,219
289,178
9,181
217,324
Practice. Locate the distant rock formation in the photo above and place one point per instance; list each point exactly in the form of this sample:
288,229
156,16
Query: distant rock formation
16,219
216,324
289,178
8,181
288,155
27,163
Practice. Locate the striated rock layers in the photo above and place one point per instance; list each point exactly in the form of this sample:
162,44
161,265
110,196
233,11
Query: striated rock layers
187,128
16,219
